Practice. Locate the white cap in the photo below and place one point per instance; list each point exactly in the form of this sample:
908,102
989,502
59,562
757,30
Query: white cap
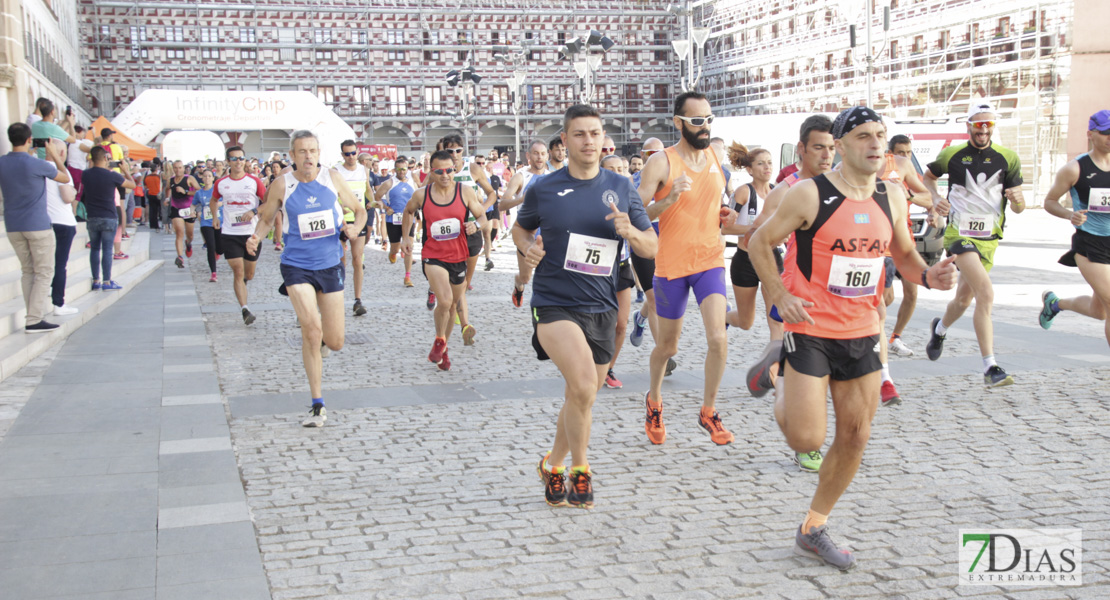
981,106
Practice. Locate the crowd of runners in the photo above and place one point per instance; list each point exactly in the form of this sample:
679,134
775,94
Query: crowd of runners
821,243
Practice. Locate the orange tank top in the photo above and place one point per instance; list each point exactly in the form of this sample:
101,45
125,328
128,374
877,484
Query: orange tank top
690,230
837,264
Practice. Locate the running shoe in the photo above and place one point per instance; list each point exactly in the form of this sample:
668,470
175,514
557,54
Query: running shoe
95,286
817,544
636,336
438,348
653,423
468,333
392,258
518,296
408,281
809,461
431,300
445,364
612,382
1049,309
899,347
278,247
889,394
212,279
469,288
248,316
189,249
120,256
716,429
359,309
316,416
761,376
936,342
671,366
997,377
110,286
639,296
180,262
728,309
489,265
63,310
457,321
581,493
125,236
324,350
554,484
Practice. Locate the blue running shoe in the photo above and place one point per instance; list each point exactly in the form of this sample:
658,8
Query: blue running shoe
636,336
1050,308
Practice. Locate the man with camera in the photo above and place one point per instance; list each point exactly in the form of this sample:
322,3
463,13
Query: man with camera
46,128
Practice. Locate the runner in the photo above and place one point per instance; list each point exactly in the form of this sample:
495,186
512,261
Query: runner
514,196
474,177
182,187
983,178
558,155
313,200
828,299
241,194
396,194
815,152
686,181
202,206
445,203
359,183
494,176
625,282
584,212
1088,179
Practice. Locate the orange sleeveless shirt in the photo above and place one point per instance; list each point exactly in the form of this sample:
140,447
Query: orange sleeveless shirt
690,230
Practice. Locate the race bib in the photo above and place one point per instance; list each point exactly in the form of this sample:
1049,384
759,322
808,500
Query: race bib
397,218
185,213
207,213
444,229
852,277
316,224
242,219
590,255
1099,200
976,226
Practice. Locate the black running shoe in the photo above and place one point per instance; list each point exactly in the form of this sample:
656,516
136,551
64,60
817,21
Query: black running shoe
581,492
489,265
997,377
554,485
359,308
179,262
936,342
248,316
671,366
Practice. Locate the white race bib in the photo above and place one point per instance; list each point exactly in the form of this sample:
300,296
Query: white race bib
590,255
242,219
1099,200
445,229
976,226
852,277
185,213
397,218
316,224
207,213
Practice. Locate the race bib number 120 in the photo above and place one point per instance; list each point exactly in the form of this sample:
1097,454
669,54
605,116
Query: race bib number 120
316,224
590,255
976,226
852,277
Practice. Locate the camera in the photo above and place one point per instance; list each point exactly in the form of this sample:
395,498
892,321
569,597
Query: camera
69,110
39,143
113,164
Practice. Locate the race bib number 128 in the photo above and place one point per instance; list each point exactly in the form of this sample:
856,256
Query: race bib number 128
316,224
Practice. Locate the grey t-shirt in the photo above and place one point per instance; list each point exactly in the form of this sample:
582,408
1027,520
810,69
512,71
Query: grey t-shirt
23,181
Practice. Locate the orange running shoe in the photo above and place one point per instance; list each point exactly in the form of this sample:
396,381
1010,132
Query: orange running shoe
554,484
653,424
581,494
717,431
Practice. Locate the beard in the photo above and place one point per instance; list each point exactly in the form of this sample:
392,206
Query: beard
692,138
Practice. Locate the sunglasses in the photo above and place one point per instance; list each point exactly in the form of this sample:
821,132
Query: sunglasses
355,153
479,163
697,121
455,150
446,171
236,158
648,153
982,124
609,149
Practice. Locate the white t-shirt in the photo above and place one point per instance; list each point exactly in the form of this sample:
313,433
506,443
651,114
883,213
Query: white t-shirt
78,154
239,196
60,212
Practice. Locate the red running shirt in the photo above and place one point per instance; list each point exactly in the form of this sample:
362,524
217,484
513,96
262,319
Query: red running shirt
444,238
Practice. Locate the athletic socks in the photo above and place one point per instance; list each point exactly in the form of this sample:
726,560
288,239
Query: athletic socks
941,329
988,362
550,469
813,519
581,469
317,402
641,320
408,273
886,373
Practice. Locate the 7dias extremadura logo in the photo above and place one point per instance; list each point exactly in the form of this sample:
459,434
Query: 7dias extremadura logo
1021,557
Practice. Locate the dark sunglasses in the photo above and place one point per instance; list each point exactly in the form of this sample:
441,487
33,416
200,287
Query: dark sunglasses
236,158
355,153
446,171
479,162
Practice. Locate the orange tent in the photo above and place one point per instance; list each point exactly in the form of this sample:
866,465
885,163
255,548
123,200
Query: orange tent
135,150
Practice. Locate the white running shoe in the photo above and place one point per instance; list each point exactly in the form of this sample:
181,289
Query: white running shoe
900,348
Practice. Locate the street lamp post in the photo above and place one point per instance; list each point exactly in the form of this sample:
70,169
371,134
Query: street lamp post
514,57
467,78
871,55
693,47
586,62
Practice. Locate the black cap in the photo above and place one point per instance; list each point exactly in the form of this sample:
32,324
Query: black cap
107,131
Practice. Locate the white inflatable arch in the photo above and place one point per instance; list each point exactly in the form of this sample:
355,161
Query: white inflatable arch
157,110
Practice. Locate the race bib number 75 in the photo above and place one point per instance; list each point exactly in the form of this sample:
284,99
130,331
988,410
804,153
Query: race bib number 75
590,255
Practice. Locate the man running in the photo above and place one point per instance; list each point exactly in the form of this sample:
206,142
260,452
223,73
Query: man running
514,196
828,297
586,214
313,201
395,195
625,282
558,155
1088,179
983,178
445,204
359,183
902,147
686,181
241,194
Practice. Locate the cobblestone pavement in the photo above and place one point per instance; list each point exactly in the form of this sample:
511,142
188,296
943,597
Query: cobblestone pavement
441,500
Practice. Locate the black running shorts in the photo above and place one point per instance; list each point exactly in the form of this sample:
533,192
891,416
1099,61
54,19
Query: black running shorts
235,246
841,360
599,328
624,276
456,272
474,243
742,272
645,270
1095,248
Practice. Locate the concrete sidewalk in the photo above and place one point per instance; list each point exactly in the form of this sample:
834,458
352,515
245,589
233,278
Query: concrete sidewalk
118,479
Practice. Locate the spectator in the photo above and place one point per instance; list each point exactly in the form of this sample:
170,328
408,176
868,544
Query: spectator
46,129
77,157
104,214
35,115
23,184
60,200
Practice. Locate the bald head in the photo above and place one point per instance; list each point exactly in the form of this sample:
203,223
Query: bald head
653,144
